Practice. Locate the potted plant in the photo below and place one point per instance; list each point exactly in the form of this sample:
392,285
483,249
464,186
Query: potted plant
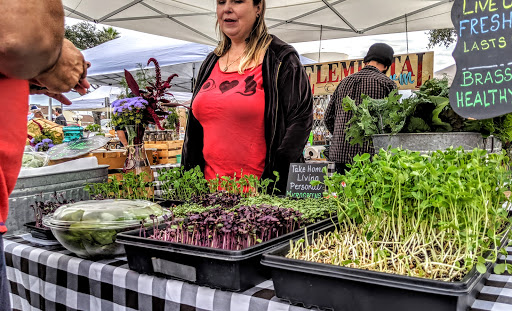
139,108
92,129
413,233
423,122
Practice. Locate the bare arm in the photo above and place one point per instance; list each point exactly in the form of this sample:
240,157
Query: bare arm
31,32
122,137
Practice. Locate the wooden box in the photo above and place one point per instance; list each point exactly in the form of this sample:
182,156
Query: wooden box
115,158
166,150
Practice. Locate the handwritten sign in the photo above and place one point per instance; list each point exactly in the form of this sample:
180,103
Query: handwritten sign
482,87
409,71
299,177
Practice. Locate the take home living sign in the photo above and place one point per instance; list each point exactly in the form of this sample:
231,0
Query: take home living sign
482,87
300,177
409,71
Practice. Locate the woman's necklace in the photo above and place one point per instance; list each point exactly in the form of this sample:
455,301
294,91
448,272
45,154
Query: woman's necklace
227,66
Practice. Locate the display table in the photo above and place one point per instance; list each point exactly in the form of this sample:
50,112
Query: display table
48,277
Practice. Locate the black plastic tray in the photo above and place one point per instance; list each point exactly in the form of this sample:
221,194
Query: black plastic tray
40,232
169,203
216,268
341,288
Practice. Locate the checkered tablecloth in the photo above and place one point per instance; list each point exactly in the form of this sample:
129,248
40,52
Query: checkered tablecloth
48,277
45,276
158,168
497,293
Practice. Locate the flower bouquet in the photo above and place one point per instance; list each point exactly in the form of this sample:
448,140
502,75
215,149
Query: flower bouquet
140,108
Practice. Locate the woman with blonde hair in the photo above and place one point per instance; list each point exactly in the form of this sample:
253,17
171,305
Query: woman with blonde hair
252,105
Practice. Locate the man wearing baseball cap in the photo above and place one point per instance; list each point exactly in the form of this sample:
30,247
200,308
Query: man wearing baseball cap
371,81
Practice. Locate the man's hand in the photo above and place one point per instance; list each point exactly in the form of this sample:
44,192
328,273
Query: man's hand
68,73
81,88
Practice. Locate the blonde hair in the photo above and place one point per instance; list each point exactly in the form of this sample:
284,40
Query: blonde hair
257,43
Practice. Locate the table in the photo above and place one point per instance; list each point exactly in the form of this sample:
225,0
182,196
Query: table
48,277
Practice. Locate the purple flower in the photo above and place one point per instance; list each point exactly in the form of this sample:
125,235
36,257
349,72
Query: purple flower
116,103
38,145
139,105
47,141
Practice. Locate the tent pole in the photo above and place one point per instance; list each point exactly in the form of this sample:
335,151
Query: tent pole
50,109
107,104
193,76
406,34
320,44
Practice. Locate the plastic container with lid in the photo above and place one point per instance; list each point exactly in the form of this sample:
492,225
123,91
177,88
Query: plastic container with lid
89,228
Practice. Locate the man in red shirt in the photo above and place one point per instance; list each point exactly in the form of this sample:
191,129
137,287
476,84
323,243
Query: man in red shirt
33,52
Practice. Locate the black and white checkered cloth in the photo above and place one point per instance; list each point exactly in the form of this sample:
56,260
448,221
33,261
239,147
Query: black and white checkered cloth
156,169
48,277
497,293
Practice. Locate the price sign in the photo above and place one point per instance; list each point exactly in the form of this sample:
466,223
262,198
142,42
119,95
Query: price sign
482,87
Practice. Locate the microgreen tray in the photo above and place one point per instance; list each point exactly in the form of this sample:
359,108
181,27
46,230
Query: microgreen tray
42,233
333,287
216,268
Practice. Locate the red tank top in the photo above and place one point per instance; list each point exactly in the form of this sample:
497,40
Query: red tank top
231,110
13,134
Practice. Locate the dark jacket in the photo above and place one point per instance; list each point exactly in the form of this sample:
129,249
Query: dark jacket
61,120
288,112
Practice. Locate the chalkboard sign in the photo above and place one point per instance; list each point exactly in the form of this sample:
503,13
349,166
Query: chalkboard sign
482,87
299,177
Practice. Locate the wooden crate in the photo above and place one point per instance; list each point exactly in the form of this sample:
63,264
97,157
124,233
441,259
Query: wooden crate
115,158
166,150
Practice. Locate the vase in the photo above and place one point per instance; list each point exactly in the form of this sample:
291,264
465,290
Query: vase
136,158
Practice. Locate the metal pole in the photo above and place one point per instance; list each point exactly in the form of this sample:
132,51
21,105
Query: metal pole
107,104
320,44
193,76
50,114
406,34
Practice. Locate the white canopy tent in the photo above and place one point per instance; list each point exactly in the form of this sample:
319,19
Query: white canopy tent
291,20
99,99
95,99
449,72
110,59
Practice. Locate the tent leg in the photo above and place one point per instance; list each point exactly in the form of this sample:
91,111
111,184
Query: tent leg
50,109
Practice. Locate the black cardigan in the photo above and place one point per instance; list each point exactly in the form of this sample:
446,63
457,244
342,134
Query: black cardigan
288,112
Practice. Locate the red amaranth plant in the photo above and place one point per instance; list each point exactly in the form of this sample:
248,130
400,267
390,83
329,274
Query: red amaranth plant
154,94
230,229
42,208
